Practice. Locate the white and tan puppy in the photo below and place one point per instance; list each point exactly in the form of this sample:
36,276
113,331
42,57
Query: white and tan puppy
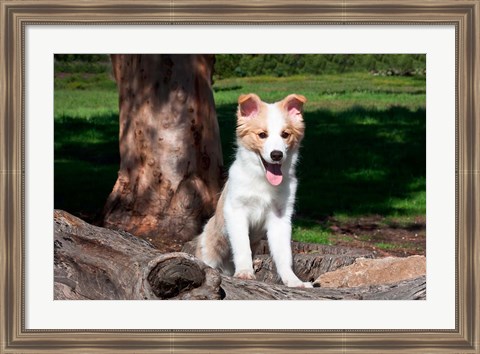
259,195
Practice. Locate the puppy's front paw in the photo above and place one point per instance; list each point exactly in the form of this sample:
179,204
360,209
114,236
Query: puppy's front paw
245,274
306,284
297,283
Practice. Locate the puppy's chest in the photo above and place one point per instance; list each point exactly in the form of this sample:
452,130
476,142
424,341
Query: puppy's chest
259,205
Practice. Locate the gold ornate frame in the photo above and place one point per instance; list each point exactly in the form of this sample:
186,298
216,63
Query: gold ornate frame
16,14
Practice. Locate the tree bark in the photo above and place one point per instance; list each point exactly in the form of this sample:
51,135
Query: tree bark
235,289
91,262
171,166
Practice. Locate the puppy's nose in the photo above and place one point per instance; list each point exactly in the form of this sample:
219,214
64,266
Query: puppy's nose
276,155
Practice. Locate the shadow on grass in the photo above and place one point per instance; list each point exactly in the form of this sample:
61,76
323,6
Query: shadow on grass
226,88
352,162
86,163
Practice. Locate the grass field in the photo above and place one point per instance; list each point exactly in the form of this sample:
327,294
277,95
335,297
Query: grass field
363,156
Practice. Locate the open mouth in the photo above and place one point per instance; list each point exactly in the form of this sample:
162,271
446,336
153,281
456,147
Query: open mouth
273,172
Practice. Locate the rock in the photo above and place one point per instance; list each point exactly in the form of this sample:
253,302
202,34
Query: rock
365,272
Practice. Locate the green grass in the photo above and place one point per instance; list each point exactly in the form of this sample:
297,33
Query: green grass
305,230
364,152
332,92
311,235
384,246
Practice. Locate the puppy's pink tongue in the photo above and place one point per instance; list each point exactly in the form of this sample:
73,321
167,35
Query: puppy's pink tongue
274,174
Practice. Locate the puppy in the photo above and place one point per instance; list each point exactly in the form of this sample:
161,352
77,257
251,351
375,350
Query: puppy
259,195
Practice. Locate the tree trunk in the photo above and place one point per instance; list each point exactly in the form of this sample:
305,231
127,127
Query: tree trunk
171,168
91,262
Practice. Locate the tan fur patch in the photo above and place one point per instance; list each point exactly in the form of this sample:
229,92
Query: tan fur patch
295,127
248,129
215,245
296,131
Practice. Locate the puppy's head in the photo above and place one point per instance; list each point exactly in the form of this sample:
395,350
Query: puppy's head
270,130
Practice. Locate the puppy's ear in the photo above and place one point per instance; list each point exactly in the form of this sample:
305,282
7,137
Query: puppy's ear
294,105
248,105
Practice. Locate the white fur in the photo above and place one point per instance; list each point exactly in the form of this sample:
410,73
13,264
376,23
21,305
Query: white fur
276,122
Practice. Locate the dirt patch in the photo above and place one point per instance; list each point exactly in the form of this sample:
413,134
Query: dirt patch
383,237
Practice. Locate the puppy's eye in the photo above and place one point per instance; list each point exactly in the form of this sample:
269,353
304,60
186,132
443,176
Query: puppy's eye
285,135
262,135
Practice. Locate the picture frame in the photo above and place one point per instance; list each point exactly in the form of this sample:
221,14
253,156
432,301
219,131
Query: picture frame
16,15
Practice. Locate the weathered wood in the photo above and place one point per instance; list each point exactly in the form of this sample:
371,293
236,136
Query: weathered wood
308,267
96,263
413,289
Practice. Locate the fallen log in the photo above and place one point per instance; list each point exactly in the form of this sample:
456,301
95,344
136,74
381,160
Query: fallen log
235,289
97,263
